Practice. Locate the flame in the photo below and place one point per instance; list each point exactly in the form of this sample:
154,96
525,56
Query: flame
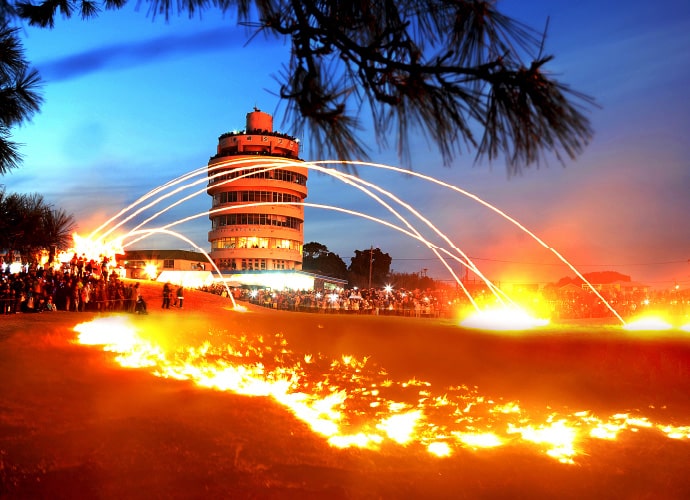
351,402
559,437
114,332
93,249
400,428
439,448
675,432
479,440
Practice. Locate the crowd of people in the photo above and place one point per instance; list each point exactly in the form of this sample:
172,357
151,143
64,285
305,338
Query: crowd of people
447,302
375,301
415,303
41,291
89,287
48,290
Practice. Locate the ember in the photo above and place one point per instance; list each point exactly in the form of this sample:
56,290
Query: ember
353,402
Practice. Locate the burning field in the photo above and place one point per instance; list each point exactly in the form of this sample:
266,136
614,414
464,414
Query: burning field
210,402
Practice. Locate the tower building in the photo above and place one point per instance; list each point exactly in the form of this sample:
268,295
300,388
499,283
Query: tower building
253,225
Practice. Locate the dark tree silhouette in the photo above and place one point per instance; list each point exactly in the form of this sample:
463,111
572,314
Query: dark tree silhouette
369,268
457,71
57,228
316,258
313,250
19,97
28,226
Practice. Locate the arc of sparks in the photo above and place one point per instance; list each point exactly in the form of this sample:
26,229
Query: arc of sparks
398,170
358,184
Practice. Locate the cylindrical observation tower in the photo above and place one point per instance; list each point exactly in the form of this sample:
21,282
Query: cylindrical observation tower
254,180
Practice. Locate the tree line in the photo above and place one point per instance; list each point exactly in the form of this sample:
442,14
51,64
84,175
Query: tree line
368,268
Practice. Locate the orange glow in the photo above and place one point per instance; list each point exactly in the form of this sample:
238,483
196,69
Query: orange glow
359,440
510,407
654,323
352,402
151,270
503,318
479,440
616,424
92,249
440,449
559,438
675,432
400,428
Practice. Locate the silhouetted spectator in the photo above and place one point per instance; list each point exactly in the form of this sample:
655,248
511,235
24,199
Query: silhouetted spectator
180,296
166,296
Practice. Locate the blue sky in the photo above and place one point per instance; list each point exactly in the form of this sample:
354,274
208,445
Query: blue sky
132,103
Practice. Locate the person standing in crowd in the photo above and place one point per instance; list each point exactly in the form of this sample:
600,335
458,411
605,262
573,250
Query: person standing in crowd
166,296
129,298
180,296
75,290
140,304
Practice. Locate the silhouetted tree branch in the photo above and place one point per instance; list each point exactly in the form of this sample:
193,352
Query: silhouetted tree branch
19,98
458,71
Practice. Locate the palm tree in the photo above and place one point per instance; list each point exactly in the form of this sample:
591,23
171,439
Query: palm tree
458,71
19,98
29,226
12,229
57,230
23,224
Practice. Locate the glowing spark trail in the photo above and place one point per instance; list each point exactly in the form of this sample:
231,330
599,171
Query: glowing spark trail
499,212
250,164
487,316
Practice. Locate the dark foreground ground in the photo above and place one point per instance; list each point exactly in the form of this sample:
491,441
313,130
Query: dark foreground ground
73,424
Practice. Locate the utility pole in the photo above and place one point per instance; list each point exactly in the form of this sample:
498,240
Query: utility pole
371,263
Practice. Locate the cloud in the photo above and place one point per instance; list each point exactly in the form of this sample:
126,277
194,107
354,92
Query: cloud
127,55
